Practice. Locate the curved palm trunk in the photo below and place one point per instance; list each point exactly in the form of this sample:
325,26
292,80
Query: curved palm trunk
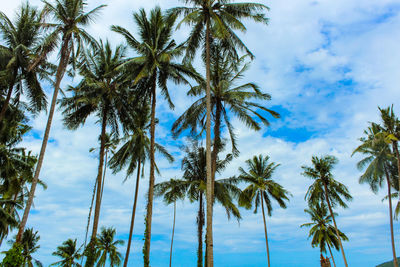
334,222
146,248
200,225
172,238
65,53
209,251
330,251
6,102
133,216
91,257
265,228
391,220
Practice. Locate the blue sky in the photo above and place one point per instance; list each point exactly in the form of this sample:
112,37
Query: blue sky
328,65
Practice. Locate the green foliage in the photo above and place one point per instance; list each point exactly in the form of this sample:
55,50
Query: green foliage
228,99
107,248
13,256
261,185
322,232
69,253
321,173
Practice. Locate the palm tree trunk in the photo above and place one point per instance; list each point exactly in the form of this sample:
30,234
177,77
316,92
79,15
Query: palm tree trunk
217,141
91,257
65,53
391,219
334,222
146,249
172,238
6,102
133,216
210,253
104,176
265,227
200,225
90,214
330,251
396,150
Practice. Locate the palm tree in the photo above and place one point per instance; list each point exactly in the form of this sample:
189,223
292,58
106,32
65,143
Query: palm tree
226,97
133,154
326,189
103,91
377,163
69,18
16,168
391,129
107,246
155,64
261,189
193,186
69,253
22,38
29,246
212,19
322,232
109,146
7,218
172,192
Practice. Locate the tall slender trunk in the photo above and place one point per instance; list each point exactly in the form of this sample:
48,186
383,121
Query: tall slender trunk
133,216
330,251
265,228
200,225
65,53
172,238
91,257
104,176
217,143
6,102
396,150
146,248
391,219
334,222
90,214
210,253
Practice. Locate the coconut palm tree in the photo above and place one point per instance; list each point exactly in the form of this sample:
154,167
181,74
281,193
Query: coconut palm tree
326,189
377,164
193,186
171,193
391,129
212,19
104,92
69,253
30,245
156,63
133,154
109,146
107,248
227,97
322,232
16,168
22,38
262,188
69,18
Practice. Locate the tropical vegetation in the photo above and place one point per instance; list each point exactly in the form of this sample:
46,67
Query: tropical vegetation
129,90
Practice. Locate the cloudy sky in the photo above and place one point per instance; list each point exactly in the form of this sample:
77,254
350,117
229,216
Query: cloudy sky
327,64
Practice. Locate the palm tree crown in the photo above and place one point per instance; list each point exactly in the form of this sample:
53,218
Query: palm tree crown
69,253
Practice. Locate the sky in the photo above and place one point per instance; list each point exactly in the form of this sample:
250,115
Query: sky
328,65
